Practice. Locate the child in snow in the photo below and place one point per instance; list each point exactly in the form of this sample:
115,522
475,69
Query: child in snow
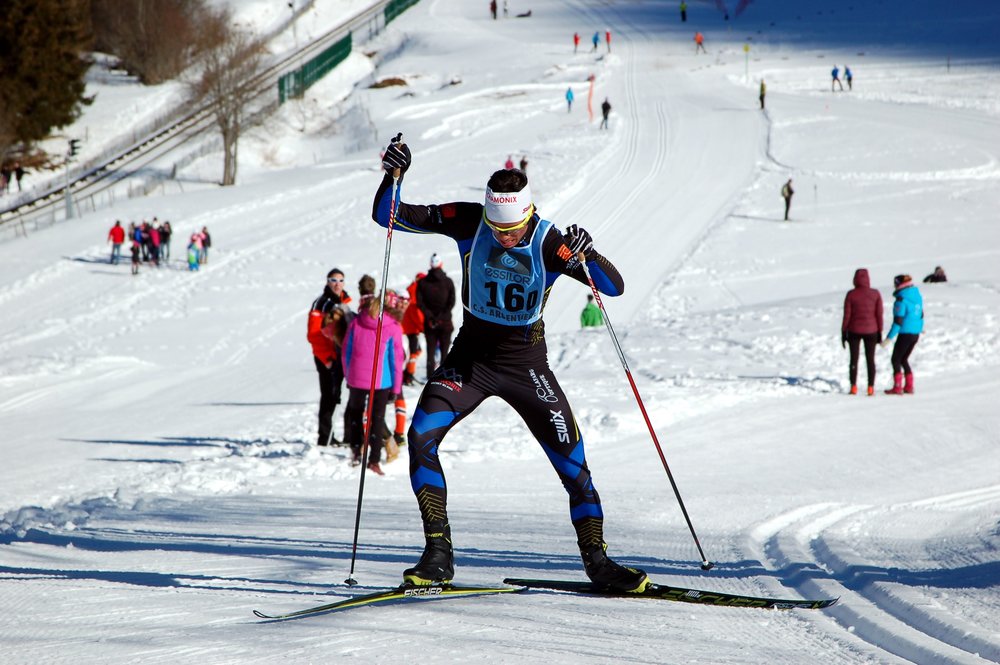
413,326
396,304
358,355
192,249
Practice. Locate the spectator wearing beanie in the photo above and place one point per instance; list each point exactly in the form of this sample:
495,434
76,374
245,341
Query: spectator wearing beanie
436,299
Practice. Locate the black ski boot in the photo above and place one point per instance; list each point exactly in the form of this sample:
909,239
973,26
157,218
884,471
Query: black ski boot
437,563
607,574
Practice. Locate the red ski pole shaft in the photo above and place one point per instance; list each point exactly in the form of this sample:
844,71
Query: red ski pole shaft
705,563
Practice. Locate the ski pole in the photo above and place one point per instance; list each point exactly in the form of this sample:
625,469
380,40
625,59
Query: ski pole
393,203
705,563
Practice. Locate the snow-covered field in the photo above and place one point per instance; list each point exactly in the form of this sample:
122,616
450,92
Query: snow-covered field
160,480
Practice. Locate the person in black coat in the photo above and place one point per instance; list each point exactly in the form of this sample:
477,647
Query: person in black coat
936,276
436,299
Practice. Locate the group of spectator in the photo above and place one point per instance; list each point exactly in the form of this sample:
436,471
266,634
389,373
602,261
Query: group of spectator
150,243
595,40
523,164
344,347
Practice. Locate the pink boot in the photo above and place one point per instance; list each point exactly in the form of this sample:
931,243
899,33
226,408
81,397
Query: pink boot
897,385
908,388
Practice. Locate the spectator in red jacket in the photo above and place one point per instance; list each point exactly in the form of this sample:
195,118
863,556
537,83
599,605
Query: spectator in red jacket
328,318
413,325
116,236
862,323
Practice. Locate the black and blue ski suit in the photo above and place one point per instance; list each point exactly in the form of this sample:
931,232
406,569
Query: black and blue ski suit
500,350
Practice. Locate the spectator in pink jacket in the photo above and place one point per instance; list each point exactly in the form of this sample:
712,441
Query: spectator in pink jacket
358,353
862,323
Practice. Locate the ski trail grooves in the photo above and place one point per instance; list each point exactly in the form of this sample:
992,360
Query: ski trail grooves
820,563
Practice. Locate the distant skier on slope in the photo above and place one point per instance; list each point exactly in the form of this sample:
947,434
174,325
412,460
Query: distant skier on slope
787,193
513,258
605,112
699,43
835,76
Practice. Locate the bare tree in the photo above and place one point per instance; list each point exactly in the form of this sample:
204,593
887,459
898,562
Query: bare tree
155,39
232,58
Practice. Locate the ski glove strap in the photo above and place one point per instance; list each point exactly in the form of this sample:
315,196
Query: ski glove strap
578,240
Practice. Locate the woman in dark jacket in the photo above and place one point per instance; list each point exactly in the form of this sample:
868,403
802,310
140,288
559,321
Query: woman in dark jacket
862,323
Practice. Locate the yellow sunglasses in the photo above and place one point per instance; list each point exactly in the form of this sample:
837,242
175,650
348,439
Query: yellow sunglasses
509,229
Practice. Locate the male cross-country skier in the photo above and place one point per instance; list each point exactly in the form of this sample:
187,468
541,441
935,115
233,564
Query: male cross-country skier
510,258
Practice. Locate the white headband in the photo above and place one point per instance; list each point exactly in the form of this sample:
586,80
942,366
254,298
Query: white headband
508,207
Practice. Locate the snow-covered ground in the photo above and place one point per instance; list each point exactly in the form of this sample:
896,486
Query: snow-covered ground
160,480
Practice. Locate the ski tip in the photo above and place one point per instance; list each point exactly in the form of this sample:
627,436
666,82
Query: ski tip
261,615
707,565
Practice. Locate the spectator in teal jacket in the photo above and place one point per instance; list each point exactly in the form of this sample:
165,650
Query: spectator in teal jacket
907,324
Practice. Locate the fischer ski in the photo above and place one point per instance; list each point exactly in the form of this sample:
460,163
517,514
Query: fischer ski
680,594
400,593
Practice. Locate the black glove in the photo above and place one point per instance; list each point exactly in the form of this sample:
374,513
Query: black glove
843,338
578,240
879,337
396,156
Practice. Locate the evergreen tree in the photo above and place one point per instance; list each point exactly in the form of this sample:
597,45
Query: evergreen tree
43,46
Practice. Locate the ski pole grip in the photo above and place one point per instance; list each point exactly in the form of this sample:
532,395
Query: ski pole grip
582,257
399,140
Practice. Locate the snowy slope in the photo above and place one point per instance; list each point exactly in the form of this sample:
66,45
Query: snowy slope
160,481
